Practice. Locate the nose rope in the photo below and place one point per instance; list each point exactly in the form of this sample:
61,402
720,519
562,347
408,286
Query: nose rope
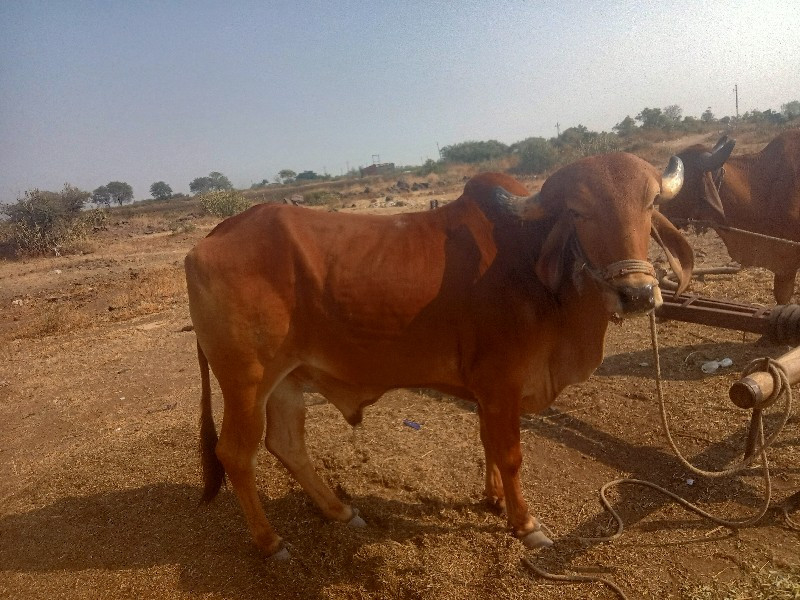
606,275
628,266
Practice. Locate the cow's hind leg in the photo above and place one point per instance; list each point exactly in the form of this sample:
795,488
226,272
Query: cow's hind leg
286,414
783,287
240,436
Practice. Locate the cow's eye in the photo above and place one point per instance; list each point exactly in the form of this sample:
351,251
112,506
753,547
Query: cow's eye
575,214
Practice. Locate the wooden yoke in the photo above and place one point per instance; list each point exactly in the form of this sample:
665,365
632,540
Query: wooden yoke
751,390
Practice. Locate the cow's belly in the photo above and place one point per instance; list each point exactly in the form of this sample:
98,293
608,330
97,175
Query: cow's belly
750,251
351,397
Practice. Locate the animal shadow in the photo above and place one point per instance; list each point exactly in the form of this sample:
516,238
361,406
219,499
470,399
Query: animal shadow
162,524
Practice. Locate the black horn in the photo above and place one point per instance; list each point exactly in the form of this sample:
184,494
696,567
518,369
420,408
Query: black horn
711,161
720,142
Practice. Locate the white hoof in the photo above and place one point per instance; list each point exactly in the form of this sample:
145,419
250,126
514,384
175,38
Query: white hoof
281,555
536,539
356,521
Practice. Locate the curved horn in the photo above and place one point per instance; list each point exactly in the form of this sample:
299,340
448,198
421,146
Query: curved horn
717,157
720,142
526,207
672,179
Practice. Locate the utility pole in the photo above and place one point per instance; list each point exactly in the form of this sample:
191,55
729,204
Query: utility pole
736,92
558,130
439,150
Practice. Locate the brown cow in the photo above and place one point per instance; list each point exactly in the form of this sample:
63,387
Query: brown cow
496,298
756,192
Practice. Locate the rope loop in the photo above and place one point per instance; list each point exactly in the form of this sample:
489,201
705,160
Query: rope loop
780,379
781,388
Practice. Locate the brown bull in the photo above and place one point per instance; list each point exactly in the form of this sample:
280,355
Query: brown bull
496,298
756,192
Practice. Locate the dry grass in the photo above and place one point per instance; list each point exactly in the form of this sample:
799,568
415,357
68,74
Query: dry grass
54,319
759,583
148,291
117,299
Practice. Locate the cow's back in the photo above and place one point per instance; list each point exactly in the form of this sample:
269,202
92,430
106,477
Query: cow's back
776,182
344,291
761,193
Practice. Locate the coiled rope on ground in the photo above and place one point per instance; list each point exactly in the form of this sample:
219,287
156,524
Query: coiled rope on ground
781,388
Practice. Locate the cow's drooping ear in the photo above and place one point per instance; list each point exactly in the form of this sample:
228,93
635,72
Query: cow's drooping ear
679,253
551,265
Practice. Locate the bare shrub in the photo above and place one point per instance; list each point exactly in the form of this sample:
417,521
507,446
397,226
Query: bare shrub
223,203
44,222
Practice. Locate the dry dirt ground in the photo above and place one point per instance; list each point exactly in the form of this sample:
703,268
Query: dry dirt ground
99,393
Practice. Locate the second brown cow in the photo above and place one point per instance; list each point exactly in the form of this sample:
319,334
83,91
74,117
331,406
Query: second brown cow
755,192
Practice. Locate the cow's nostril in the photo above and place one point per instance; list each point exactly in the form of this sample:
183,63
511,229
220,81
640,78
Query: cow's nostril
637,299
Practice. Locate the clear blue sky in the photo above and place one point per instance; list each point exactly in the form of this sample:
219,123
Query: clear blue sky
141,91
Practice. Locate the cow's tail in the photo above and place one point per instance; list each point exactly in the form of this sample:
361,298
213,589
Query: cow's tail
213,471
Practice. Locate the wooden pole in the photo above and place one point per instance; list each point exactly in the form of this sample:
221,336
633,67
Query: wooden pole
752,389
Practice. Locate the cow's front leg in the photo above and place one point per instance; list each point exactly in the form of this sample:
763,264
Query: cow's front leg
783,287
493,491
501,436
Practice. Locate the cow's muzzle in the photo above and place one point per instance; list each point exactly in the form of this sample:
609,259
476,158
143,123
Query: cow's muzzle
629,286
638,300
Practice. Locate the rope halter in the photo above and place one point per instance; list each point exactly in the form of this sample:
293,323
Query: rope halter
606,275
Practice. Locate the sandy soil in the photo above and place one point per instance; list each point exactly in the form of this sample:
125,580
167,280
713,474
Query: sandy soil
99,394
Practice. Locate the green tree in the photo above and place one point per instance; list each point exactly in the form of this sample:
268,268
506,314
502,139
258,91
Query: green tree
707,116
672,115
536,155
114,191
286,175
102,196
652,118
213,181
692,124
200,185
791,110
219,181
161,191
430,166
306,176
474,151
120,192
625,127
573,136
